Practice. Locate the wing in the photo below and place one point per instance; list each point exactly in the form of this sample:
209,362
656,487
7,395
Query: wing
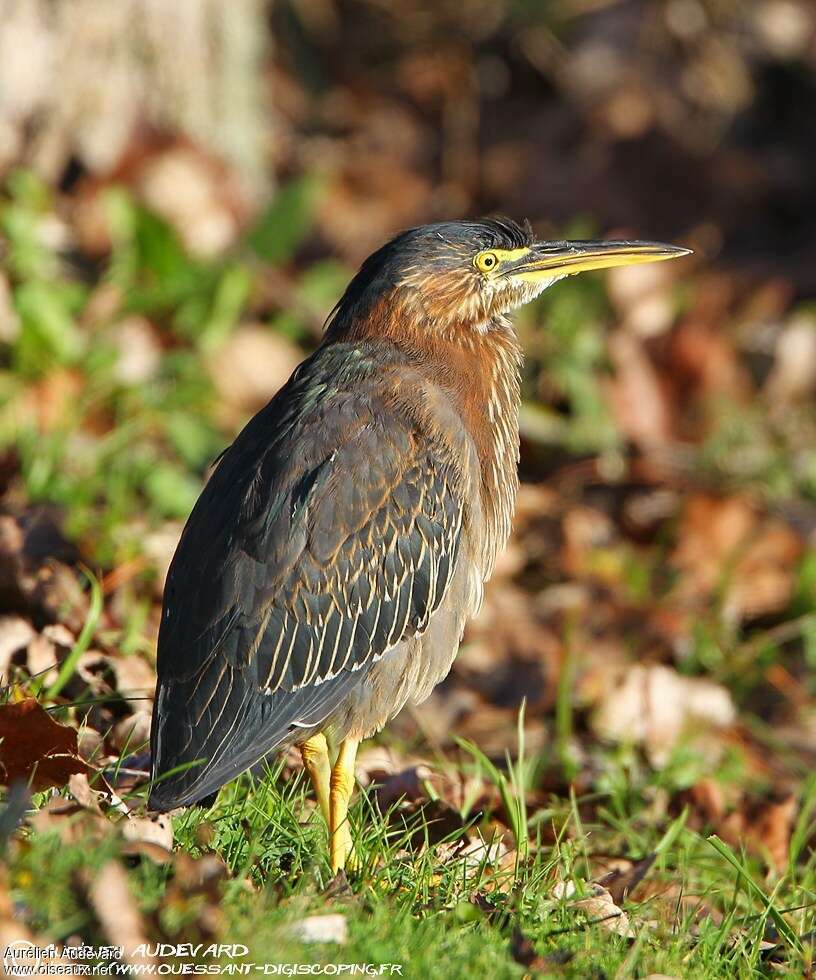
327,534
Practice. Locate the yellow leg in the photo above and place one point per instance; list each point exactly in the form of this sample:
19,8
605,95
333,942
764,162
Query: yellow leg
342,785
315,752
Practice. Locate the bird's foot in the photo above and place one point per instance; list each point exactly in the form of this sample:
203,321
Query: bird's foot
342,785
342,853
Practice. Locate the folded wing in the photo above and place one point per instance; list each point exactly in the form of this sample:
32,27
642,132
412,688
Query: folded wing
326,535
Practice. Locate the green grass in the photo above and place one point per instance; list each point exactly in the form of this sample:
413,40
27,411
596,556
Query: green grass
708,911
120,460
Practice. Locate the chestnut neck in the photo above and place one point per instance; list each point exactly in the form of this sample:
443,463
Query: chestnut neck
478,366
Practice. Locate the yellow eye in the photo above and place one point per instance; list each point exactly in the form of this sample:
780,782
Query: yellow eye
486,261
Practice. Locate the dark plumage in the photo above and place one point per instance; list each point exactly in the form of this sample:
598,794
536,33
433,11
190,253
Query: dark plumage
326,533
327,570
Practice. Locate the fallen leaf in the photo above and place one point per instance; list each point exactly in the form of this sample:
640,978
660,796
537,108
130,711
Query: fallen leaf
641,295
479,853
320,929
639,400
523,952
191,191
117,912
155,830
71,821
197,887
622,880
598,906
653,705
147,849
723,542
160,546
35,748
794,372
91,744
407,785
132,733
138,350
15,634
134,677
252,364
80,789
42,661
200,875
703,361
764,826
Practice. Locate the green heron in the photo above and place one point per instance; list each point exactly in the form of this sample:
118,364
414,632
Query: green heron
325,575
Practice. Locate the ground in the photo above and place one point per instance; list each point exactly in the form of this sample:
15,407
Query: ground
616,780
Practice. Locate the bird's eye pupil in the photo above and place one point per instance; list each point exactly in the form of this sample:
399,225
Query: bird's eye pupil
485,261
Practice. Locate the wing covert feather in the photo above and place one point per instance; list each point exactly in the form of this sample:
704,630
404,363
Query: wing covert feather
327,533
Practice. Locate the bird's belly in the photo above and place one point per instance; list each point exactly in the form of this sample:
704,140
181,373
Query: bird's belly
411,670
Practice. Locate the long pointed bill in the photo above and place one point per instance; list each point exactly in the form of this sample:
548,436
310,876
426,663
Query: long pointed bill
552,260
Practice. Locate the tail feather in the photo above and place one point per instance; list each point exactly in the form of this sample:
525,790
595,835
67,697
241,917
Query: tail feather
231,735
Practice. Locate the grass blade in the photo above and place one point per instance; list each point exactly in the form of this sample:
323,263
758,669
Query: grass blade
743,874
83,641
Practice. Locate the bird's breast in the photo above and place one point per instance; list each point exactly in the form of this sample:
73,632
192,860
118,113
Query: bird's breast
482,374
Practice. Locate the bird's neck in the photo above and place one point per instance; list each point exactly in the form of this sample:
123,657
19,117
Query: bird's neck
479,367
488,385
481,371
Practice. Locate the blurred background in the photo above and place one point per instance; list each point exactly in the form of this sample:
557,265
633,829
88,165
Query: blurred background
186,188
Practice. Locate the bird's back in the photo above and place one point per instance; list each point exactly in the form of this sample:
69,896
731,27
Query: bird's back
329,533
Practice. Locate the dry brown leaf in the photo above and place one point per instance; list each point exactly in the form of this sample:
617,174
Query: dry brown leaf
35,748
146,849
160,546
724,539
585,531
41,657
16,634
320,929
91,744
764,826
705,362
598,907
408,786
200,875
138,350
375,763
252,364
523,952
116,910
197,883
192,192
794,372
157,829
642,296
131,734
97,795
639,400
764,578
623,879
708,797
135,678
478,853
709,532
80,789
653,705
71,821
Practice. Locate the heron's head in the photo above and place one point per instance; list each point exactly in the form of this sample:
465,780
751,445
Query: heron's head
468,273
